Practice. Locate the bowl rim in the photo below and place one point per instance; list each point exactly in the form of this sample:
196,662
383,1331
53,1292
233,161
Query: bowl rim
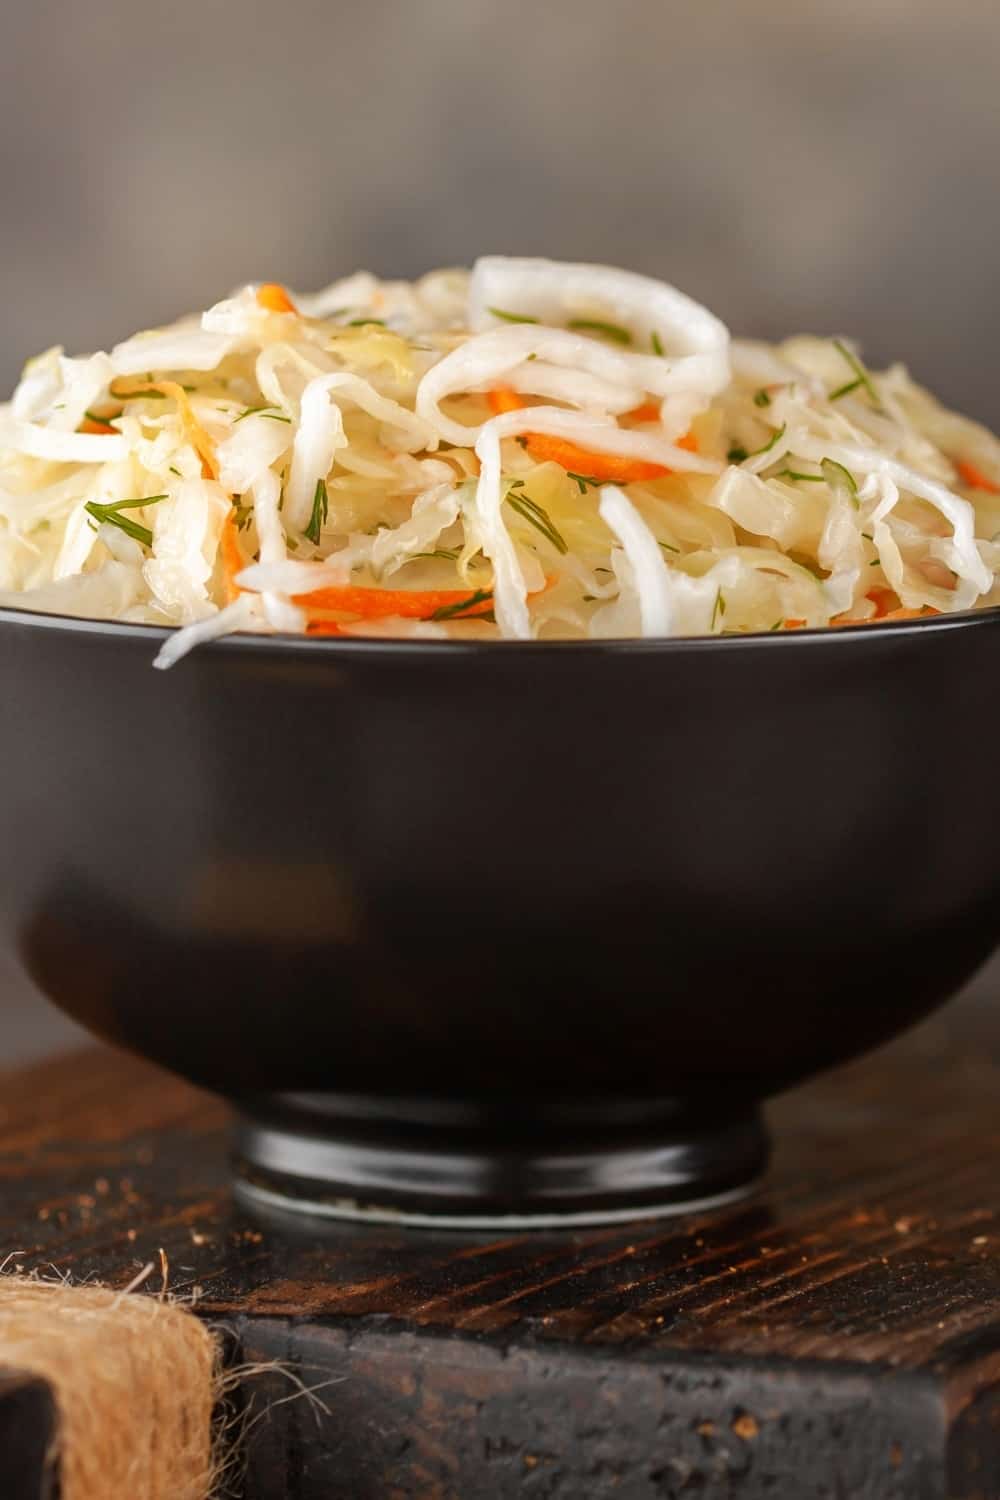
341,647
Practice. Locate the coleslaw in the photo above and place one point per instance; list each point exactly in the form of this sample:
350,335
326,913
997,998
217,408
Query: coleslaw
532,450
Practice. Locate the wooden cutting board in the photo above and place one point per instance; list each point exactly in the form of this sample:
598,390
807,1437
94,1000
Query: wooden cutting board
836,1337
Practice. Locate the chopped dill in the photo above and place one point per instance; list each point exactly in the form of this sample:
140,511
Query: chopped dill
176,471
718,608
738,454
510,317
868,536
92,416
320,511
583,480
112,514
363,322
667,547
529,510
776,626
447,554
761,398
242,515
656,342
862,378
837,476
876,564
458,609
609,330
521,441
262,411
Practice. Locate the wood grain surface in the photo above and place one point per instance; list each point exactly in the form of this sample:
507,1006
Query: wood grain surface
836,1335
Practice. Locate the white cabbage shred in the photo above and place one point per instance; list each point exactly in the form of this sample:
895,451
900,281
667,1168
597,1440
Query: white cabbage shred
530,450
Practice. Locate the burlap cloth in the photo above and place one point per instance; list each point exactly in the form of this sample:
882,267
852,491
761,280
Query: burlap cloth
135,1381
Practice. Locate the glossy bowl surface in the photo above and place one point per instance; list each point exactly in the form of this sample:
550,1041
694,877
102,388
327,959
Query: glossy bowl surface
490,929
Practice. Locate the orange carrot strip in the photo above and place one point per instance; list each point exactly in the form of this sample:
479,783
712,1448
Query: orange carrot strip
610,468
324,627
502,399
892,614
197,436
974,477
232,558
795,624
884,600
90,424
273,298
377,604
646,411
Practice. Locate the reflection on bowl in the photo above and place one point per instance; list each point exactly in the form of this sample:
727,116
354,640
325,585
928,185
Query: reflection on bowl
500,930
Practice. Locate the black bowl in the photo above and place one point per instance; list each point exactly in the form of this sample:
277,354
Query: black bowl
490,930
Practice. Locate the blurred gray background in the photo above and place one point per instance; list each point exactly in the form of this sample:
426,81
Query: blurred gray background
829,167
798,165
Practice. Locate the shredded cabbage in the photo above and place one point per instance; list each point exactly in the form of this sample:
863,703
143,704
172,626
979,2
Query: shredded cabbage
530,450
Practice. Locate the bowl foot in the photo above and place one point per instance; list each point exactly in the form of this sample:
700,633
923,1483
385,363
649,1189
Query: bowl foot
463,1165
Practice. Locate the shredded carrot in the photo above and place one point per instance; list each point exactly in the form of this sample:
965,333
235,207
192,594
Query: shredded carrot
891,614
232,558
795,624
646,411
911,614
197,436
323,627
377,604
973,476
273,298
502,399
92,424
884,600
610,468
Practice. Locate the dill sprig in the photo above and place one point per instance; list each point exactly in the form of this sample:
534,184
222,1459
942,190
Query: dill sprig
583,481
112,515
738,454
447,554
272,412
862,378
594,325
529,510
510,317
461,606
320,511
656,343
718,608
144,395
837,477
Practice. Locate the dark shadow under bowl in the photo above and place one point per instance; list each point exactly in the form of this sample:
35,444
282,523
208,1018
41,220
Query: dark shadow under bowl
480,930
